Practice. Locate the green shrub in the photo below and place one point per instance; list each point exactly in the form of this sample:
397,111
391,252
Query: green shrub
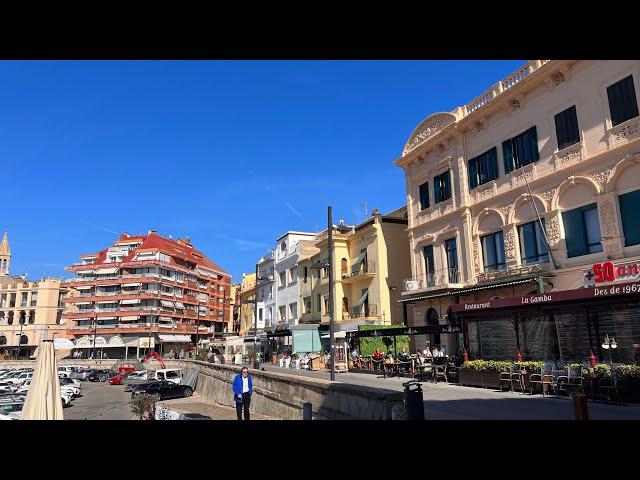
501,365
368,345
143,405
628,372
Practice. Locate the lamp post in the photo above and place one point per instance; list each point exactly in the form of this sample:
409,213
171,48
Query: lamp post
19,338
95,331
609,344
330,247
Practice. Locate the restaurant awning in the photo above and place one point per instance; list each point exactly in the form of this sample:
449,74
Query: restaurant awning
465,291
104,271
130,301
401,331
175,338
164,303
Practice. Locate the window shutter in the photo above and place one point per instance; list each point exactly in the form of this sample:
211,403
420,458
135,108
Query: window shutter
532,144
623,104
567,131
507,155
424,196
574,230
493,163
436,189
447,184
629,207
473,173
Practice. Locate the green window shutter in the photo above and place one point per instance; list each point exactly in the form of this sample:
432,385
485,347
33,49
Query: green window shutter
623,104
532,145
629,208
507,155
436,189
574,230
424,196
493,163
473,173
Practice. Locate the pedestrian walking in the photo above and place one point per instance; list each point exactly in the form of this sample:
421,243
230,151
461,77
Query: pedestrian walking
242,391
182,354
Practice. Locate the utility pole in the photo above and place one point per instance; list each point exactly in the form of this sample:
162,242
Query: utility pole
255,315
330,246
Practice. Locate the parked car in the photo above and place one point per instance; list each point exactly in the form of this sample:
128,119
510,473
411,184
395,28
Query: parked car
70,381
18,379
99,375
71,390
117,379
12,406
164,388
173,375
81,373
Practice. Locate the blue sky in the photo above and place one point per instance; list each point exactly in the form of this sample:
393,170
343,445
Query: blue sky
231,153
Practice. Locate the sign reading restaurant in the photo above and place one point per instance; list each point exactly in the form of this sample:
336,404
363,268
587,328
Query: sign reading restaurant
552,297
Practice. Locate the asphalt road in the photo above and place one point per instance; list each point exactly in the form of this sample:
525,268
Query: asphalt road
100,401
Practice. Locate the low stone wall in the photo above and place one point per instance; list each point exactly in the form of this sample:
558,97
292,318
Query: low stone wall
106,363
281,395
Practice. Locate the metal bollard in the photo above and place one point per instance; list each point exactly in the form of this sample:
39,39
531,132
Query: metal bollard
580,409
306,411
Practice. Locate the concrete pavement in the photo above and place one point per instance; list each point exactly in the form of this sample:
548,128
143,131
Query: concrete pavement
100,401
453,402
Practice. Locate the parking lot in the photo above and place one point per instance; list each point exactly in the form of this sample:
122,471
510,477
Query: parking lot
100,401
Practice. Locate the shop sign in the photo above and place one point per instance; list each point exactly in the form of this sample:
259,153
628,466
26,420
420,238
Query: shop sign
551,297
612,272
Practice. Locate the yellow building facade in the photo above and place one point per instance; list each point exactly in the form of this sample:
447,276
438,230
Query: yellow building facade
248,294
370,261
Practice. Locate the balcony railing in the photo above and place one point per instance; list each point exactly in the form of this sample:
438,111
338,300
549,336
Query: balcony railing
437,279
360,269
366,311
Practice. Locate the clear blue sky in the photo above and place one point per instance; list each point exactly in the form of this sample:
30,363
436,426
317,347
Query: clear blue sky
231,153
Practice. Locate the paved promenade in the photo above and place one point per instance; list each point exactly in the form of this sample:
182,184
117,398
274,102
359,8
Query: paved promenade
453,402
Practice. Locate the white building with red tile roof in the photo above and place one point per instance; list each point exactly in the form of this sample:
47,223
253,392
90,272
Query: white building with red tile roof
143,293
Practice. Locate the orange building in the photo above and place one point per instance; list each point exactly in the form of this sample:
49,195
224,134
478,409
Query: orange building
144,293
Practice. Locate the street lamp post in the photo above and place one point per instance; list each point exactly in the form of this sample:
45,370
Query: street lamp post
19,338
330,247
95,332
609,344
255,331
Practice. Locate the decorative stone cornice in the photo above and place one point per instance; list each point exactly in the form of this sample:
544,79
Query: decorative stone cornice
602,177
427,129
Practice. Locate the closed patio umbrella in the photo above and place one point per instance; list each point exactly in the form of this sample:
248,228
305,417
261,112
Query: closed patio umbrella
44,401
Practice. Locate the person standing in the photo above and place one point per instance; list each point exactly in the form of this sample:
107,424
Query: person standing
242,391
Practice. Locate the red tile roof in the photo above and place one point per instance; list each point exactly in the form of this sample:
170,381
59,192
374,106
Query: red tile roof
153,241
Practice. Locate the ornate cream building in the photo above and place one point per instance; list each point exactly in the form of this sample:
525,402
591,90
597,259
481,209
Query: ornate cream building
29,311
518,202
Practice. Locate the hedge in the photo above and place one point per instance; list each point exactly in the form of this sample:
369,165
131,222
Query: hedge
368,345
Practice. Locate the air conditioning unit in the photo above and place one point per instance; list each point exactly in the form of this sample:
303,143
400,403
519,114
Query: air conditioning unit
411,285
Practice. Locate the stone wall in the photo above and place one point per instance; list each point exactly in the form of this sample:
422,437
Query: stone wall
281,395
106,363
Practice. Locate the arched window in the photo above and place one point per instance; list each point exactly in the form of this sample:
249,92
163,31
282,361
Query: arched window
23,317
32,316
345,266
3,340
24,340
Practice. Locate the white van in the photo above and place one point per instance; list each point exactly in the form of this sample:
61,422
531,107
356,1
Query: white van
170,375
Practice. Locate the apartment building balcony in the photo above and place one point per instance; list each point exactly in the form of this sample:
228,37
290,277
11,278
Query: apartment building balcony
366,312
282,254
268,258
362,271
444,279
264,279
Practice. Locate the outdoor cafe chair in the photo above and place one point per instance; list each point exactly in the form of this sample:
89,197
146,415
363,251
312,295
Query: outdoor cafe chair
610,388
440,371
425,370
541,380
